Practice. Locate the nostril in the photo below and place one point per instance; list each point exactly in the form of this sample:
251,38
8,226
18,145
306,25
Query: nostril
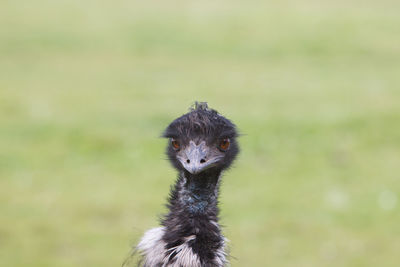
202,160
188,161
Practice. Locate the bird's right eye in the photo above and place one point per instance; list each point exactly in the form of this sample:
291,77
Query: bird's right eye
175,144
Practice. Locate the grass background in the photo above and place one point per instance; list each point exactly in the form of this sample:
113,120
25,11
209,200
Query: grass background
86,88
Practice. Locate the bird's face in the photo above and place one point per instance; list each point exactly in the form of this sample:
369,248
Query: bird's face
201,140
198,155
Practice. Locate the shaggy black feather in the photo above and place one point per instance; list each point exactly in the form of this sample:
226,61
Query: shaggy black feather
192,218
193,201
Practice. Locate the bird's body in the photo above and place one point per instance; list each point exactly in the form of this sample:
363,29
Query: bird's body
202,145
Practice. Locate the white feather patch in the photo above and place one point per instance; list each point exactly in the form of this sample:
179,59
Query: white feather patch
152,247
184,255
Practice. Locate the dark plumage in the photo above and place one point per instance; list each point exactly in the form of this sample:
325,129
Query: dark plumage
202,144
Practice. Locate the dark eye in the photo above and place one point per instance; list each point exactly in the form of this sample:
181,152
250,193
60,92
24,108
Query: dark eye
224,144
175,144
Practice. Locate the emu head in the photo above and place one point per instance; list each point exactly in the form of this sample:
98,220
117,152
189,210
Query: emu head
201,140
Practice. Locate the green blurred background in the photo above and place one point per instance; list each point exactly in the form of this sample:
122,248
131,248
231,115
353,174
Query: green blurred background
86,88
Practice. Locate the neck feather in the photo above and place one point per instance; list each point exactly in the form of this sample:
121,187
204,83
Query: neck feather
195,195
193,212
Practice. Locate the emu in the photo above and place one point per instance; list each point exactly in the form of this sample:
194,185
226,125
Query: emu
202,144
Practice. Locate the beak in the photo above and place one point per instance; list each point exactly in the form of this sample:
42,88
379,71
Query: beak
195,158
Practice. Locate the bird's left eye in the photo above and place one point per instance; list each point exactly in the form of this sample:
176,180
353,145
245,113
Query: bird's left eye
175,144
224,144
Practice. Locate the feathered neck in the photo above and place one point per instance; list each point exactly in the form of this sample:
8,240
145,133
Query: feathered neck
195,195
193,211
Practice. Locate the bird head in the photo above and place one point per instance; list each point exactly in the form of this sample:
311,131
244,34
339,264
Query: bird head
201,140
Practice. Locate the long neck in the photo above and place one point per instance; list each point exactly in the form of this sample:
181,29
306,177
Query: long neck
195,196
193,212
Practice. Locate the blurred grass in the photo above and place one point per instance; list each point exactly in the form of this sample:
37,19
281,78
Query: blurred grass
86,88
